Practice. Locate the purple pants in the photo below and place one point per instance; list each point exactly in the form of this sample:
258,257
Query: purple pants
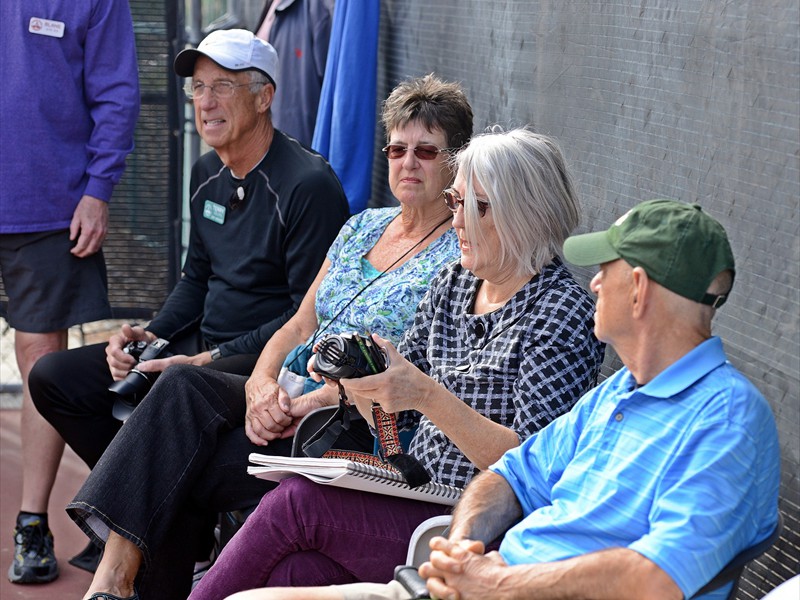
308,534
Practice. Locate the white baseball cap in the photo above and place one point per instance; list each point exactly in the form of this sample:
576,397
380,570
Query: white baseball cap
232,49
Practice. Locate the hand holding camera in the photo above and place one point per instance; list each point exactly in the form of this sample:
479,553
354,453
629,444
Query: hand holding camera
348,356
136,384
399,385
119,361
355,357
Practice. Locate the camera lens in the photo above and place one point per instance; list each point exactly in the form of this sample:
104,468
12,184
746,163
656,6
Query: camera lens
136,384
331,356
348,356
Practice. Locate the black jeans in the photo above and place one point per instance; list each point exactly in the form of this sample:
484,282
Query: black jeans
70,390
180,459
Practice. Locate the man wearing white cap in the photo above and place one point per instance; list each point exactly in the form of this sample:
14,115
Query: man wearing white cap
264,210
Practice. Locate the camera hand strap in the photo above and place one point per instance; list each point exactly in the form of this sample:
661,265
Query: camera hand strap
390,450
319,443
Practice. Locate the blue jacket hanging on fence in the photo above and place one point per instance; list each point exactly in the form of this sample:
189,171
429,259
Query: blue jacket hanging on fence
345,129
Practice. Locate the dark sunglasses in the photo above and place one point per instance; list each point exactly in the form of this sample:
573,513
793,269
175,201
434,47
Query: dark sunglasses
454,200
425,152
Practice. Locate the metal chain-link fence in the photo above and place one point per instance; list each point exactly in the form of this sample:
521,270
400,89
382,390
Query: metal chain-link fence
10,381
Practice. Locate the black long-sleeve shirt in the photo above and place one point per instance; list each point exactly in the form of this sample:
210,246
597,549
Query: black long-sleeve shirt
248,266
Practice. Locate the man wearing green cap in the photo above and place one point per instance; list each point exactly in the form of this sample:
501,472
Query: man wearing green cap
659,476
654,480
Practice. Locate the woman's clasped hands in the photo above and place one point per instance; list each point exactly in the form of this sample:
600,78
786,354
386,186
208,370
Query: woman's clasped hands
272,414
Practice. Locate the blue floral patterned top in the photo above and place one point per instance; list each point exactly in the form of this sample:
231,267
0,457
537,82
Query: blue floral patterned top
388,305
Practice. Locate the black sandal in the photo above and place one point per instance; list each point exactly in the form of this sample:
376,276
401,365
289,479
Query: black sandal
88,558
107,596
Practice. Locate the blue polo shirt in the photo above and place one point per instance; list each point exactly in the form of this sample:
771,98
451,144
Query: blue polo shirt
684,470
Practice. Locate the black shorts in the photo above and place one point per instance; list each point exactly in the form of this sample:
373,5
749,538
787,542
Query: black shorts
48,288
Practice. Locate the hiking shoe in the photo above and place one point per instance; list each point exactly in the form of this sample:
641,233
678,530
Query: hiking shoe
34,557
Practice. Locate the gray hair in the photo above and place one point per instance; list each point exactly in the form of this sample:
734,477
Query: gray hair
256,79
533,199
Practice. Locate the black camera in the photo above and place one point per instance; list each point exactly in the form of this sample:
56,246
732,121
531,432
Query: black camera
136,384
348,356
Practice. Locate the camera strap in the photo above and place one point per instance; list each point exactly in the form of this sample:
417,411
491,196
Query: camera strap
390,450
318,444
320,330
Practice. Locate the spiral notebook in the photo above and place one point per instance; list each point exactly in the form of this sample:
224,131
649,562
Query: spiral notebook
352,475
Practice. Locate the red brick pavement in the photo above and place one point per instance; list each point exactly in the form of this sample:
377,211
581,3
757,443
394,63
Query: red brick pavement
69,540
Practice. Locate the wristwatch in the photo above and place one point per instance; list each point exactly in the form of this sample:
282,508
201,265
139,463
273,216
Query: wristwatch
215,353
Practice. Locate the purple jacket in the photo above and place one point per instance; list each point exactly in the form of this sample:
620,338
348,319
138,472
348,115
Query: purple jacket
68,107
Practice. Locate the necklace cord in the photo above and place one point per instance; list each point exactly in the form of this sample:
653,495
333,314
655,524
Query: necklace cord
318,332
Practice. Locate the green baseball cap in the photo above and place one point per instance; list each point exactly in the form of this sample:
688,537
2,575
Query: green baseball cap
678,245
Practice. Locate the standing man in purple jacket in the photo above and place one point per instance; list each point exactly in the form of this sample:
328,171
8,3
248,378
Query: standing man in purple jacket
68,105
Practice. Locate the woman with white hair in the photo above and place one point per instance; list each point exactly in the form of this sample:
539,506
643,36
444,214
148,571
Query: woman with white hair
501,345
